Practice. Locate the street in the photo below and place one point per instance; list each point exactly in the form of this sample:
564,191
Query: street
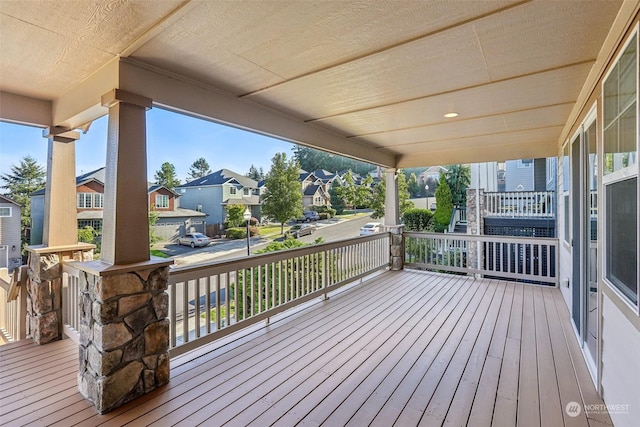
329,230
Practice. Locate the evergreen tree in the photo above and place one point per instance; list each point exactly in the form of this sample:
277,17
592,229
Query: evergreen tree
23,180
198,169
337,202
283,198
459,179
444,205
311,159
255,174
167,176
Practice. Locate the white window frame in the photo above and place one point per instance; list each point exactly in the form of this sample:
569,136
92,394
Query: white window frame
82,198
628,172
160,199
8,211
233,190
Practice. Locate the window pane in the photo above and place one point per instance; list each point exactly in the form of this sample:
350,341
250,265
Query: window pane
628,77
621,237
611,97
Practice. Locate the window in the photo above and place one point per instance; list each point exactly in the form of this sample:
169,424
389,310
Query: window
247,191
98,200
96,224
4,212
620,172
620,111
233,191
85,200
524,163
564,172
199,208
162,201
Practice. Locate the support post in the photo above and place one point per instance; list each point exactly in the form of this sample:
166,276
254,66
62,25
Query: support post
392,220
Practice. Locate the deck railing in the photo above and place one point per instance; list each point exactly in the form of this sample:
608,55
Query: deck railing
13,304
520,204
515,258
70,301
209,301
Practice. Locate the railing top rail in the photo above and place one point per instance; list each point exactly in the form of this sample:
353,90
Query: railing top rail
218,267
519,192
482,238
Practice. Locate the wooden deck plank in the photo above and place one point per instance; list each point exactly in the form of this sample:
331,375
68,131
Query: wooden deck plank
431,347
449,383
580,369
436,361
549,394
506,405
236,371
383,391
484,400
460,408
528,397
339,405
339,351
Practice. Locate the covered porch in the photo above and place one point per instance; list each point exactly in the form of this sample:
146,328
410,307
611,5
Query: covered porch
401,348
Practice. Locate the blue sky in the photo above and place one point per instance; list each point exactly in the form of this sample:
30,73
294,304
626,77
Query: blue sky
171,137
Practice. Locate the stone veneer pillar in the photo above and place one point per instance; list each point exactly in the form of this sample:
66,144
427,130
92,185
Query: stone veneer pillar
475,222
396,247
124,331
44,288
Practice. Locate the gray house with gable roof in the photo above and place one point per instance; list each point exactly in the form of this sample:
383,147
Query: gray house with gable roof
212,193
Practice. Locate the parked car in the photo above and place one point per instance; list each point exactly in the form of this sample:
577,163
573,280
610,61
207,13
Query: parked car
370,228
300,230
193,240
308,216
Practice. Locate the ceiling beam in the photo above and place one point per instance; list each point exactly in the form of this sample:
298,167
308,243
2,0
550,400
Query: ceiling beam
197,99
25,110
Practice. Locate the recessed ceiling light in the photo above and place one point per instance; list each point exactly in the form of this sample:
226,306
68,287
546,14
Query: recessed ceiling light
451,115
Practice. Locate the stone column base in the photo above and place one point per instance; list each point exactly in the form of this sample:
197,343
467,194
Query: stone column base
44,289
396,247
124,331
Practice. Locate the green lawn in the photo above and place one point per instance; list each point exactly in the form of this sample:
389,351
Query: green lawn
271,230
159,253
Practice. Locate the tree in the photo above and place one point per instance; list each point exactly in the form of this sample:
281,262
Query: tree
255,174
198,169
337,202
23,180
311,159
413,186
459,179
166,176
283,196
379,195
444,205
235,215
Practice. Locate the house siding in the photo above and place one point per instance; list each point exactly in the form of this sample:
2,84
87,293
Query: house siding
10,229
519,178
210,198
162,192
619,373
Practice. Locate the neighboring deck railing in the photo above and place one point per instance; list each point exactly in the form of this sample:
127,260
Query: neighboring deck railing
520,204
515,258
13,304
209,301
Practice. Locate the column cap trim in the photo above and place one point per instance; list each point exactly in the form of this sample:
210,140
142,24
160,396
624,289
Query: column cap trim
60,134
114,96
44,249
102,268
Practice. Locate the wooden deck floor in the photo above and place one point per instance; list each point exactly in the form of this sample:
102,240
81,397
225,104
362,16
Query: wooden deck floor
405,348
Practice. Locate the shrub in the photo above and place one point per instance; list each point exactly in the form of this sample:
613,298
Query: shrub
417,219
323,209
241,232
324,215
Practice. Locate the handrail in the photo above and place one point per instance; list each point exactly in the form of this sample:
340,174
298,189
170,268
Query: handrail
13,304
515,258
521,204
209,301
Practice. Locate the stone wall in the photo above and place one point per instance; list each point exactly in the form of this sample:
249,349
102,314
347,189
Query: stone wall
44,292
473,221
124,335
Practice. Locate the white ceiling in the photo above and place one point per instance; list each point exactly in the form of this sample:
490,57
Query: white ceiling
376,74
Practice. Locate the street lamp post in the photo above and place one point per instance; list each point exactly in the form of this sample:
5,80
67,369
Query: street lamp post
247,217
